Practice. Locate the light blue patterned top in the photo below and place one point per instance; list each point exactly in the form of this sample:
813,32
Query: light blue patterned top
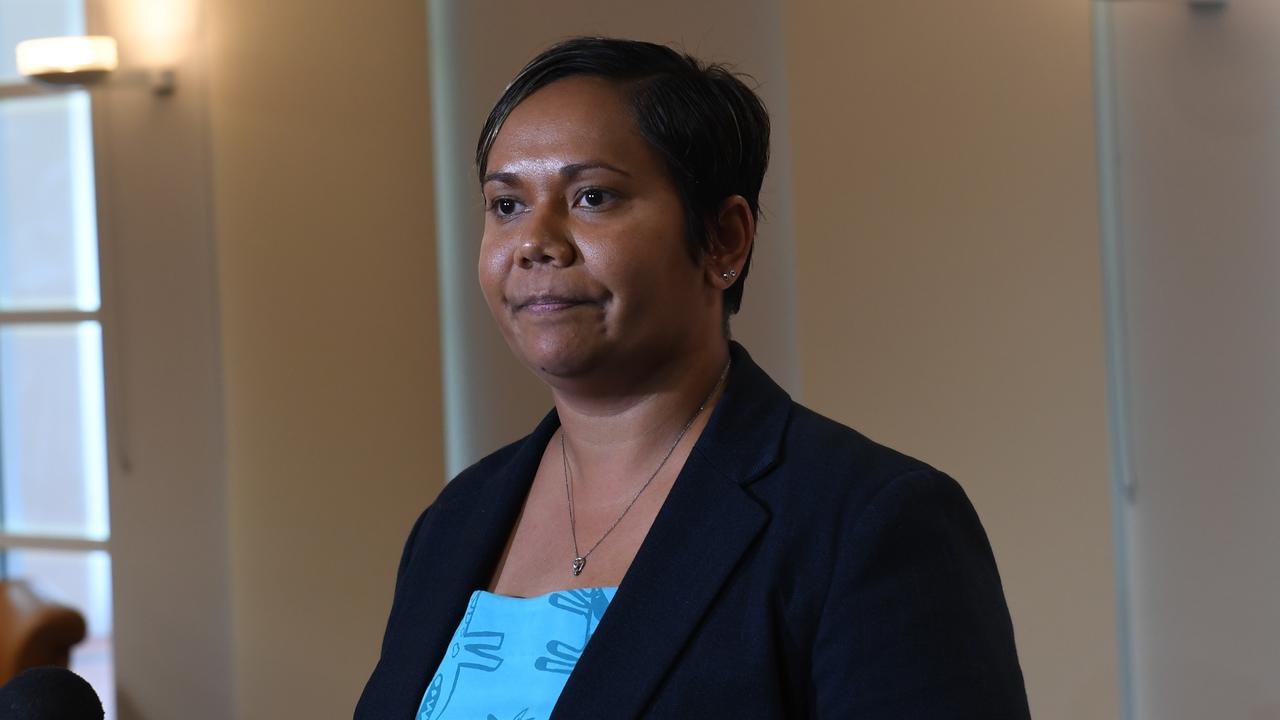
510,657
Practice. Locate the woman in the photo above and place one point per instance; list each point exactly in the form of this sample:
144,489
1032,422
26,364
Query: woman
677,538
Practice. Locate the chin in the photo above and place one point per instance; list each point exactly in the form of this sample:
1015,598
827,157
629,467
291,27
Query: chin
559,360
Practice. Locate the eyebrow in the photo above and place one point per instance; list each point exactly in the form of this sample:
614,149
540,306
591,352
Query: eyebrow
567,172
505,178
573,170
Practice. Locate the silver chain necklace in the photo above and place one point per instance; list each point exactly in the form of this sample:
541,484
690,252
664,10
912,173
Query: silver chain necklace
580,558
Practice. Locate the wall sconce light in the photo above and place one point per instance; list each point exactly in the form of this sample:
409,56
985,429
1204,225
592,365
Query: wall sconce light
79,60
68,60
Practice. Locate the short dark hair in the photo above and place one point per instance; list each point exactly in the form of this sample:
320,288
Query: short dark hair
711,130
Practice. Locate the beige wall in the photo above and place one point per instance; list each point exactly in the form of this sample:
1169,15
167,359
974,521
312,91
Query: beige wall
168,545
324,234
949,288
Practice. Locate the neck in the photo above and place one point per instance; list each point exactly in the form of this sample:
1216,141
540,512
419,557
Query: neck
617,437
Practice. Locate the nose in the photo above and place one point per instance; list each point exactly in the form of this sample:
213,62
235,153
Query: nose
547,242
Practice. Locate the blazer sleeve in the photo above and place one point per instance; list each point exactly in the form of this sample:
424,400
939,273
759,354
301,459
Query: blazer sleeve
376,692
914,624
410,545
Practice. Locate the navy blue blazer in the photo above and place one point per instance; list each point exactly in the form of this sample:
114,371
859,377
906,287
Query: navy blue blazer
796,570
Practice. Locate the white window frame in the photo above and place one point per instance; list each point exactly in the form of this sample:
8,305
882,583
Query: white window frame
169,546
58,542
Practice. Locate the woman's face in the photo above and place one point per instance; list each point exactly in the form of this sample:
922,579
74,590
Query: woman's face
584,262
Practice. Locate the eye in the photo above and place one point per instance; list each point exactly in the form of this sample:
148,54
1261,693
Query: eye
504,206
594,198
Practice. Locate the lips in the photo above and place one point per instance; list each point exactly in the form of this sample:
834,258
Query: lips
550,302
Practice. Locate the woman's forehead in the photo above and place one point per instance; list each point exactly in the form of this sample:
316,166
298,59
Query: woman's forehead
577,120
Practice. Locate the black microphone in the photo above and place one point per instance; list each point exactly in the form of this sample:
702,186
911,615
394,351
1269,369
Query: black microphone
49,693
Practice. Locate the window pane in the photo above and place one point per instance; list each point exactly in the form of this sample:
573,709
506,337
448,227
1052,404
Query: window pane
52,430
48,224
81,580
25,19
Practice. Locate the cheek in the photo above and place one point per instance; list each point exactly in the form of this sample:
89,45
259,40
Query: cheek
490,262
648,267
492,268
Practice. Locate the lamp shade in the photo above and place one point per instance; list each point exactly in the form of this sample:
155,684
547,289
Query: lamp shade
77,59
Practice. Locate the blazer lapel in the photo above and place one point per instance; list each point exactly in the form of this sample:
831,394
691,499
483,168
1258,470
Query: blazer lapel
464,545
706,524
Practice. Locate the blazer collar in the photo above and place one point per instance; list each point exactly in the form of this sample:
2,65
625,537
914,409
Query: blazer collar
743,439
707,522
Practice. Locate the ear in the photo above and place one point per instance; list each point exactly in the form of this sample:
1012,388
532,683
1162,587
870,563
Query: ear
731,243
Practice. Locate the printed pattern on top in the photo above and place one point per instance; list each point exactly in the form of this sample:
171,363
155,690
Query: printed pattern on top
510,657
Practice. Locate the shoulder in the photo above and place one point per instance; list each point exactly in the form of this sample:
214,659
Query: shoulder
831,466
505,470
813,475
903,577
497,477
469,484
824,442
846,500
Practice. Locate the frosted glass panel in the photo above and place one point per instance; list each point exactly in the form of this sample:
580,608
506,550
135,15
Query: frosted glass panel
52,430
48,226
24,19
81,580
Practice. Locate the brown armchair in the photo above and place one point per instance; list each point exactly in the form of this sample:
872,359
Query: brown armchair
34,631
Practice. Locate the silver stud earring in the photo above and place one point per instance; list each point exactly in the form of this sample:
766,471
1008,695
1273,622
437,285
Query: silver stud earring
729,274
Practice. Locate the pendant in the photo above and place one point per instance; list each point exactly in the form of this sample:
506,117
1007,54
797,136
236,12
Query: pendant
578,564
